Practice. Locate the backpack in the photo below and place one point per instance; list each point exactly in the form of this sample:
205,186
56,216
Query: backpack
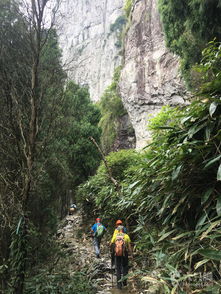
100,231
119,245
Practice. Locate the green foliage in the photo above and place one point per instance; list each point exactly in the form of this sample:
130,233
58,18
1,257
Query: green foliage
127,7
112,109
82,117
45,146
172,190
118,24
209,70
99,192
117,28
59,282
189,26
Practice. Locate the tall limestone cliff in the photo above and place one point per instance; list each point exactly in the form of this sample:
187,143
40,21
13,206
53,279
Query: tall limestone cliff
89,46
150,76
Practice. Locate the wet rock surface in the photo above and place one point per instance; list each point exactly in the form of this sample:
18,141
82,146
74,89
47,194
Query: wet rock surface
77,245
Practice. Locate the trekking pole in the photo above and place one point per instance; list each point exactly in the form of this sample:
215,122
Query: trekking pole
112,275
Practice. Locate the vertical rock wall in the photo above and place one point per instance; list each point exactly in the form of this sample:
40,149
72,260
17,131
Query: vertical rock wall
150,77
89,47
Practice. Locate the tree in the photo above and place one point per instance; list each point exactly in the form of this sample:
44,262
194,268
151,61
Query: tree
31,91
83,118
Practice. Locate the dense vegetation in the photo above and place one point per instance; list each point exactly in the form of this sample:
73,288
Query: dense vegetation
189,25
112,109
45,148
170,194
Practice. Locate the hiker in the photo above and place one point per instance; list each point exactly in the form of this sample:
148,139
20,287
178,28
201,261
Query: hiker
72,209
118,223
122,247
97,231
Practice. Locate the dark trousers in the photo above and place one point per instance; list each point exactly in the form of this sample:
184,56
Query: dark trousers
97,242
121,265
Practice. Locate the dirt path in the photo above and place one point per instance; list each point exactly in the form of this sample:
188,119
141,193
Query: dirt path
81,255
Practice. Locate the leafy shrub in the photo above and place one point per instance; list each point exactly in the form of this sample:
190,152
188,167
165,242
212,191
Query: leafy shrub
127,7
112,109
118,24
55,283
171,191
100,191
189,26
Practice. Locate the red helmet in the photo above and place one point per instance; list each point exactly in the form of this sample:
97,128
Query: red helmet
98,219
119,222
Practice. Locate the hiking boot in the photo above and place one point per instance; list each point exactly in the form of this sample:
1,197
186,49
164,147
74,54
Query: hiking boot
98,255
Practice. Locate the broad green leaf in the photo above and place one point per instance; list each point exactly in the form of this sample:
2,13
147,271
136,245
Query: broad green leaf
195,129
211,227
206,195
181,236
207,133
165,235
133,184
219,173
201,221
211,254
183,120
179,203
218,206
212,161
176,172
212,108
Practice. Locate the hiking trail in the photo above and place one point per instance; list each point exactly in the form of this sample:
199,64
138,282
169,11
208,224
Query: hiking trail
81,254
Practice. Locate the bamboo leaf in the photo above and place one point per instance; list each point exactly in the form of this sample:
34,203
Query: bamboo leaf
218,206
219,173
19,224
211,254
212,161
205,196
133,184
181,236
211,227
201,221
165,235
198,264
212,108
176,172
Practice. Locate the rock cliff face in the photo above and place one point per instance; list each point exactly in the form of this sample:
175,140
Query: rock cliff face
149,78
89,46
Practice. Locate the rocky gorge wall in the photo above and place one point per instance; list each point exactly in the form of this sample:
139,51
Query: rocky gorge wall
150,75
89,47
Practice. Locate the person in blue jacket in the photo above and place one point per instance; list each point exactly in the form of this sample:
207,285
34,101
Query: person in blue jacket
97,231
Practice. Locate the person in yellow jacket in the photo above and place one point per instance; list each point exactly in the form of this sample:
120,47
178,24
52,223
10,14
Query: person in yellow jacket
119,223
121,245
